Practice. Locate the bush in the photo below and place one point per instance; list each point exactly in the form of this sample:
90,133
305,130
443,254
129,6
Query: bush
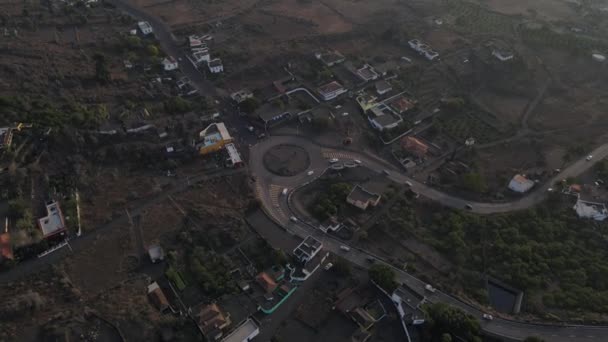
384,276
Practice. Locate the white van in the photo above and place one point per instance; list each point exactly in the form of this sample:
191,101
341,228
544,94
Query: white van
284,192
345,248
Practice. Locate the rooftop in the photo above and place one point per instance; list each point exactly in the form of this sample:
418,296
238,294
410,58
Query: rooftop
53,223
233,154
331,58
367,73
244,332
383,86
387,119
214,133
330,87
6,250
157,296
266,282
401,104
215,63
308,248
358,193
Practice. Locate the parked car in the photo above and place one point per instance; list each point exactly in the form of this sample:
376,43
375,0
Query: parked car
294,219
328,266
468,206
345,248
589,157
487,317
333,160
310,173
430,288
284,192
357,161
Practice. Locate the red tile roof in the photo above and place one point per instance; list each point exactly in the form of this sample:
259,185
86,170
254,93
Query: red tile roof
266,282
6,250
414,146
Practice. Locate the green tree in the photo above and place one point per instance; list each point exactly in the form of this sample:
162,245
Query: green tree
152,50
177,105
384,276
474,181
102,74
443,319
446,337
250,105
342,267
133,42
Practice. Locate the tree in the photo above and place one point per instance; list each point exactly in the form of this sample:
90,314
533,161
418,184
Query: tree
152,50
342,267
474,181
446,337
443,319
250,105
384,276
177,105
133,42
102,74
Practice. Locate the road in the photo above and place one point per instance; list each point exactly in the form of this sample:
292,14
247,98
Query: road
30,266
278,207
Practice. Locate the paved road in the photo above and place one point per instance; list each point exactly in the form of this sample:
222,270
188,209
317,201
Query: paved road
269,189
30,266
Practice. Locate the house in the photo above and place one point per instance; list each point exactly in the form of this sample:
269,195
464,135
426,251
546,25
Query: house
266,282
6,137
367,73
423,49
362,199
401,104
383,87
211,321
245,332
383,118
156,253
307,249
366,101
158,298
53,223
502,55
241,95
215,66
520,184
331,223
201,55
591,210
331,90
169,64
234,157
213,138
6,248
145,27
362,318
330,58
195,41
414,146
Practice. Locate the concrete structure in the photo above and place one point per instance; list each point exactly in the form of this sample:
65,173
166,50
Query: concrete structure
331,223
423,49
156,253
520,184
331,90
598,57
330,58
234,157
158,298
241,95
383,118
213,138
145,27
245,332
502,55
211,321
307,249
591,210
414,146
6,137
53,223
169,64
201,56
362,199
383,87
215,66
367,73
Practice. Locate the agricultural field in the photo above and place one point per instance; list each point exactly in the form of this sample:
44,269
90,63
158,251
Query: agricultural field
462,126
471,18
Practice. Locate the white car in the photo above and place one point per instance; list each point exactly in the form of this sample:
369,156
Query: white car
487,317
250,128
357,161
589,157
284,192
429,288
328,266
310,173
333,160
345,248
294,219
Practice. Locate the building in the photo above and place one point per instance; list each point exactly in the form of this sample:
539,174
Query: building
53,223
245,332
156,253
331,90
195,41
211,321
520,184
383,87
367,73
362,199
169,64
502,55
215,66
330,58
201,56
366,101
145,27
423,49
383,118
307,249
158,298
241,95
6,247
266,282
591,210
6,137
401,104
234,157
213,138
331,223
414,146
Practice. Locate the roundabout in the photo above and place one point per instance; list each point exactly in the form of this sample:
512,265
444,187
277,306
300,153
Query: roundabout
286,160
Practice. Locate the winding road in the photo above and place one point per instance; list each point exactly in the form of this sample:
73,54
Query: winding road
269,190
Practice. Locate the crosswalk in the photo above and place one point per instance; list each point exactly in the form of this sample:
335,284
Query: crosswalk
274,194
329,154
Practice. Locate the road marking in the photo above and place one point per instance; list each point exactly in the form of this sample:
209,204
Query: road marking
329,154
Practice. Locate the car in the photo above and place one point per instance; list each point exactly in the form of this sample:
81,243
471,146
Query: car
294,219
468,206
408,183
589,157
261,136
284,192
550,189
487,317
333,160
310,173
345,248
430,288
386,172
345,114
357,161
416,195
250,128
328,266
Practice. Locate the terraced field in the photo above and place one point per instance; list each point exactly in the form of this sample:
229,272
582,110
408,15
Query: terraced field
472,18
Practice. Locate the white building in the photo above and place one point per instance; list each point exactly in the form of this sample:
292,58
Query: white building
367,73
520,184
145,27
202,55
383,118
241,95
331,90
423,49
170,64
591,210
245,332
307,249
215,66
